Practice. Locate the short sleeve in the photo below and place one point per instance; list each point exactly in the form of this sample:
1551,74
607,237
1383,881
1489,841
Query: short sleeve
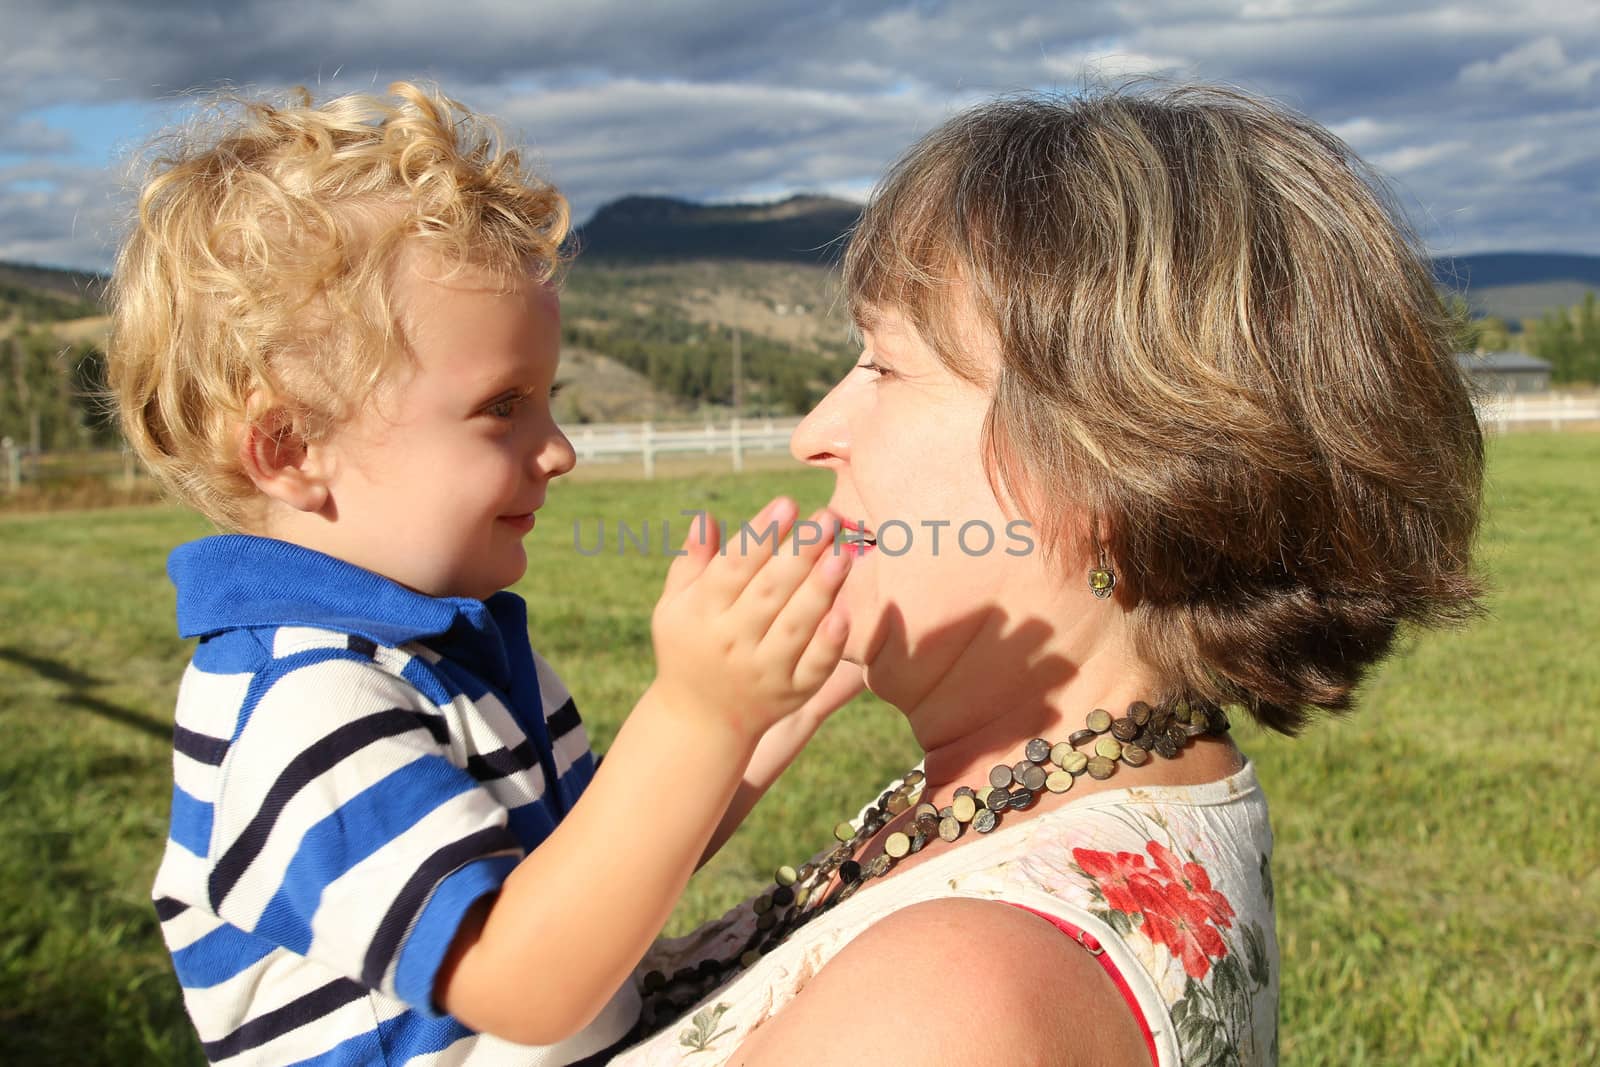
344,832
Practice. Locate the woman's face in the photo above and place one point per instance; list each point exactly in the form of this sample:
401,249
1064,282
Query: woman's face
903,436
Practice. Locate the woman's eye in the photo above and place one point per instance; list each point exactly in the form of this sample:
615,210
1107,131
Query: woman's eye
876,368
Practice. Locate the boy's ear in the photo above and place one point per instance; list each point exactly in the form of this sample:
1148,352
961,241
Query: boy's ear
275,456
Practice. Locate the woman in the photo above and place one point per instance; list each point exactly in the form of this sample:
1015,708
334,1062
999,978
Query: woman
1177,333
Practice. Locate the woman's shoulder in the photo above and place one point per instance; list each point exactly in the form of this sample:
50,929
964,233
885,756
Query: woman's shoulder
957,980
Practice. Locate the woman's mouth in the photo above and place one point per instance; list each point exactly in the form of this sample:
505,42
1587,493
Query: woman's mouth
856,539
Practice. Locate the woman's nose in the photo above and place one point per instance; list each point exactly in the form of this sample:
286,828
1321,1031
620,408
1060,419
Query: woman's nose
823,434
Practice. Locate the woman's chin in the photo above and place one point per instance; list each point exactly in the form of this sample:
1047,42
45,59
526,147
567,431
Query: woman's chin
855,643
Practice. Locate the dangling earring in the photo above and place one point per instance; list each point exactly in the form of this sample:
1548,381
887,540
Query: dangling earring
1102,579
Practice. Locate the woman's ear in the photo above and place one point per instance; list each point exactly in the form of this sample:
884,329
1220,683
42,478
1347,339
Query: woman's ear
276,457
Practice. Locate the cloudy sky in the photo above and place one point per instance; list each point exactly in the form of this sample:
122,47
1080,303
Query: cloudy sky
1486,116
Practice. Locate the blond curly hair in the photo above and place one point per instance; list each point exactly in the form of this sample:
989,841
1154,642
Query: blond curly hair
260,261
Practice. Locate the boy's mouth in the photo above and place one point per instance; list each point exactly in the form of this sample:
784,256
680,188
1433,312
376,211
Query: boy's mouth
523,522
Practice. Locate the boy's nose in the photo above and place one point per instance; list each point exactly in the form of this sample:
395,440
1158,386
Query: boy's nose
556,456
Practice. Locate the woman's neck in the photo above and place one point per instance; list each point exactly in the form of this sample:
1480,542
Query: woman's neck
1012,681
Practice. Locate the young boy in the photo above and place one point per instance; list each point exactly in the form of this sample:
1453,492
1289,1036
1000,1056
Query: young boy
335,335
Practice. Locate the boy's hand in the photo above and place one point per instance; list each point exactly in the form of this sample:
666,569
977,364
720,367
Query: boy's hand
745,635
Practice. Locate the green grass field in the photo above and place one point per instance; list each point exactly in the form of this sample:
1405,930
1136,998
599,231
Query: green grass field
1438,856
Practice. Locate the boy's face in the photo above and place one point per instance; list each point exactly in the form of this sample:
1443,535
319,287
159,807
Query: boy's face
435,483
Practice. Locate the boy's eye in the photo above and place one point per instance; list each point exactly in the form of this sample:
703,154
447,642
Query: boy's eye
506,406
503,408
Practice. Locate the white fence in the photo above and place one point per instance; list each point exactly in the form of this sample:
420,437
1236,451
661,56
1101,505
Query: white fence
1537,411
735,439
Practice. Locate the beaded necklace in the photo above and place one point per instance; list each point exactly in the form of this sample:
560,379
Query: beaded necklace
801,894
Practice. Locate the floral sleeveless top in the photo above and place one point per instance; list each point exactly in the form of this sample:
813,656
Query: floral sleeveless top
1170,886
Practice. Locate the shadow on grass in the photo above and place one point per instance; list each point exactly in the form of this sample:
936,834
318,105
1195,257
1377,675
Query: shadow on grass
65,1006
84,977
78,685
86,980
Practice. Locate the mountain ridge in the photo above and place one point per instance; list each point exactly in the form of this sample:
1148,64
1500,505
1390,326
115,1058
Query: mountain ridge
809,229
1489,270
805,228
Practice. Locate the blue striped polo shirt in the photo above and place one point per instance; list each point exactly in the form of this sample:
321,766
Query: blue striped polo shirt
355,764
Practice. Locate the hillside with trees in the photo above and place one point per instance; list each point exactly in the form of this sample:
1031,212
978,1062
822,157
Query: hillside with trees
709,307
1515,288
1569,340
677,325
50,377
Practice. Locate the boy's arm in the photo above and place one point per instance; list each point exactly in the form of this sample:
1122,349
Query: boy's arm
780,745
741,641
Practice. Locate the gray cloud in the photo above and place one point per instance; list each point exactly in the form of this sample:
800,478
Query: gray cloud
30,137
58,214
1486,115
1541,68
606,141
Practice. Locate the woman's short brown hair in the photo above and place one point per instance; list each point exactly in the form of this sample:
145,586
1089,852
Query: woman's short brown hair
1221,352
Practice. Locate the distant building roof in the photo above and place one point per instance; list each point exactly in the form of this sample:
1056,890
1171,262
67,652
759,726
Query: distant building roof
1500,361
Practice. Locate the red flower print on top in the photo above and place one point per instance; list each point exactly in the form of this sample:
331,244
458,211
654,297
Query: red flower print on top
1116,874
1174,900
1196,881
1175,919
